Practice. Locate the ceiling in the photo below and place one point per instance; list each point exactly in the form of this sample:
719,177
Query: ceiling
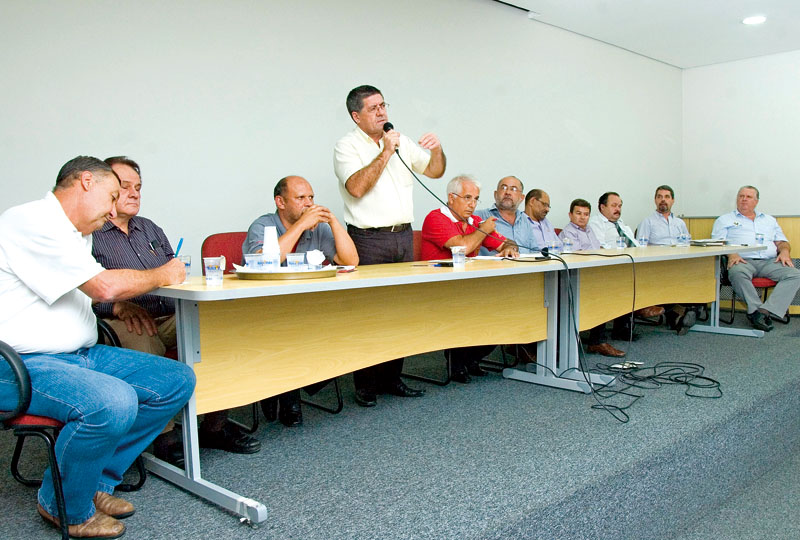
682,33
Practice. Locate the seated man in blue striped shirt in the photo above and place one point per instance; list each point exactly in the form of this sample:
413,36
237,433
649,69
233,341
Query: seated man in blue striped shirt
662,228
147,322
510,221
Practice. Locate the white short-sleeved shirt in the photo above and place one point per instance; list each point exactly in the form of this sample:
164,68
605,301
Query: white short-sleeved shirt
390,201
43,259
606,231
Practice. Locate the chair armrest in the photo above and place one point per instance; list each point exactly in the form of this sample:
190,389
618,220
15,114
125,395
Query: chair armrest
106,334
723,271
23,381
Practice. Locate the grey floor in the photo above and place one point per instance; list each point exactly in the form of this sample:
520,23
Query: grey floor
505,459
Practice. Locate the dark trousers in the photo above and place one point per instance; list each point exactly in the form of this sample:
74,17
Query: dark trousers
377,247
460,357
622,326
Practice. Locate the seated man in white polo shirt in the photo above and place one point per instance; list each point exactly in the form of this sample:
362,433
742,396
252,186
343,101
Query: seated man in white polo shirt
112,401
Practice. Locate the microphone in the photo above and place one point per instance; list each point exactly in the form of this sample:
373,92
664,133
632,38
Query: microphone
388,127
545,252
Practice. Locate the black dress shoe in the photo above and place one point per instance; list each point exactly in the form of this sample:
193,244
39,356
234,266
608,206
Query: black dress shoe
759,321
399,388
475,369
460,375
270,408
365,398
685,322
231,438
290,415
169,448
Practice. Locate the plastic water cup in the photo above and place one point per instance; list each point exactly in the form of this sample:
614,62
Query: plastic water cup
759,239
459,256
620,243
214,266
554,246
187,264
296,261
254,261
271,261
642,241
568,245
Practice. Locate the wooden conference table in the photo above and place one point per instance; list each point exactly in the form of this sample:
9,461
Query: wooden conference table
249,340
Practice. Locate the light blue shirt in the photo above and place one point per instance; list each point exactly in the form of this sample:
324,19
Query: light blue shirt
660,231
738,229
582,239
521,231
544,233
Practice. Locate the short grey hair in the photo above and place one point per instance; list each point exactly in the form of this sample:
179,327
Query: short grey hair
754,188
455,185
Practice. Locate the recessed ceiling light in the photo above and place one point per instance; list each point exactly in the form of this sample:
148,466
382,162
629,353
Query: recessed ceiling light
755,19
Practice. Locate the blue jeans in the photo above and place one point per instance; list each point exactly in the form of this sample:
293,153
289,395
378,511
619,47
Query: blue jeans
113,403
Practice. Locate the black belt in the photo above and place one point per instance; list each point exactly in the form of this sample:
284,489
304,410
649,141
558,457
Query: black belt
393,228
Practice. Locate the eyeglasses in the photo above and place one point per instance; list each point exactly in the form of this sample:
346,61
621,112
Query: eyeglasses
374,108
513,189
469,199
546,205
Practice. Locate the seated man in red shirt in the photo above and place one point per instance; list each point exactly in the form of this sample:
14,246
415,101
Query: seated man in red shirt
454,225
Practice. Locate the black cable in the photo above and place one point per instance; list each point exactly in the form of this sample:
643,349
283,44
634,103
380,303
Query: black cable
685,373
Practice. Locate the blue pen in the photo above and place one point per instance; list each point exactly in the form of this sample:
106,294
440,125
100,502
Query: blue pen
180,243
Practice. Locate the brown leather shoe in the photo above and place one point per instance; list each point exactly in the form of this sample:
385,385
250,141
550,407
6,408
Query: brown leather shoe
606,350
113,506
648,312
99,525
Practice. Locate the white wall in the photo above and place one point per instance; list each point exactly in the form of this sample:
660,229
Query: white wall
741,125
218,100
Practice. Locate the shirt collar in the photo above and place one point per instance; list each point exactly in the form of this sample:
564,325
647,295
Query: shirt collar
541,224
361,133
133,223
736,213
605,219
583,229
496,213
446,211
53,200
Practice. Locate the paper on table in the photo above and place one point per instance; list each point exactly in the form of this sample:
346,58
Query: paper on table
315,257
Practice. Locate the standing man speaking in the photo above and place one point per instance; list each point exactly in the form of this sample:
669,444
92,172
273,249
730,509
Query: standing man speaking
377,192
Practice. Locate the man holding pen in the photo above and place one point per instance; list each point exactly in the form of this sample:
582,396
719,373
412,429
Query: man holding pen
147,323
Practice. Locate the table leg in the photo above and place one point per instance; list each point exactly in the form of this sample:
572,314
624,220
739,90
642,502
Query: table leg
191,479
556,366
713,326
